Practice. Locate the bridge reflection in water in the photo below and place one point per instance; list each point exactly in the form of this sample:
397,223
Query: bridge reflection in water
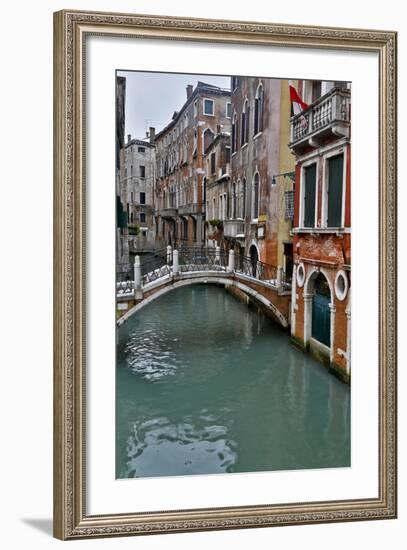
207,385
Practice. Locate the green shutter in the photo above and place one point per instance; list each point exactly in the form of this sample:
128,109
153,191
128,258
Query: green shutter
309,195
335,185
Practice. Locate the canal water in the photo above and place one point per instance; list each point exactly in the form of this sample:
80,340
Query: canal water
206,385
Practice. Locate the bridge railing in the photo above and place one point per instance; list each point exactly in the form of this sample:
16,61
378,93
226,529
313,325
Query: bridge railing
201,259
258,270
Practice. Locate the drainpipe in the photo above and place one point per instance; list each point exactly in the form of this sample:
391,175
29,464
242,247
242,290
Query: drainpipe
293,300
332,351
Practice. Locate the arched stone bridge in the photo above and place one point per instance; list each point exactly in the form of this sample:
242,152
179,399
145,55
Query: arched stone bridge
260,283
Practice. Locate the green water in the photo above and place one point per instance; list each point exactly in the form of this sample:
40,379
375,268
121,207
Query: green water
207,385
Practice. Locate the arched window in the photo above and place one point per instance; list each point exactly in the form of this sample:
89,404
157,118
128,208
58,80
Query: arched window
234,133
256,186
207,138
243,199
244,127
258,110
234,200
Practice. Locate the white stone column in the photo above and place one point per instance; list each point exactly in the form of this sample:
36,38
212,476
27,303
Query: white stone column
217,253
175,264
138,291
231,263
332,309
307,316
293,299
279,275
169,254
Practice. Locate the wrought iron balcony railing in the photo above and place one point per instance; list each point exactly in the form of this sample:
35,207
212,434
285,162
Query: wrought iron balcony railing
328,115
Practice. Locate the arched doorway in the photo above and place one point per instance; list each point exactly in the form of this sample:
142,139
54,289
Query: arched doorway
254,258
321,315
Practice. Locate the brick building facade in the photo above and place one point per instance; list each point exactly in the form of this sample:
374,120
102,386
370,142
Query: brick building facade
179,192
321,290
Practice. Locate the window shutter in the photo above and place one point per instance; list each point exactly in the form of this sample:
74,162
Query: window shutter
335,185
309,195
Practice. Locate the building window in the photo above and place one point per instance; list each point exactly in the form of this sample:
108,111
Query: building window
142,217
258,110
209,107
310,179
256,193
334,191
207,138
228,110
132,197
234,133
316,90
213,163
141,149
142,171
227,154
244,129
235,83
243,199
142,198
234,201
131,170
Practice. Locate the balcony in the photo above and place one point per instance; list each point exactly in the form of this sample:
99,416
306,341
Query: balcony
328,116
233,229
189,209
168,212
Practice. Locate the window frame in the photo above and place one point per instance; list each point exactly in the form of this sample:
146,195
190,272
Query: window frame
313,160
341,150
204,113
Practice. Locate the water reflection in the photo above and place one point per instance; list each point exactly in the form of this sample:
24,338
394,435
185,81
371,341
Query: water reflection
206,385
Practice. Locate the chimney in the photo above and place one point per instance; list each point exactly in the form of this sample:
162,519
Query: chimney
128,138
152,134
190,89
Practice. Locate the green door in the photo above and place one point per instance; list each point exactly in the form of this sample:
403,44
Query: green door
321,319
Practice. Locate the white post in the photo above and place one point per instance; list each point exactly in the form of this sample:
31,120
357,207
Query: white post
217,253
169,254
279,275
175,264
231,263
138,292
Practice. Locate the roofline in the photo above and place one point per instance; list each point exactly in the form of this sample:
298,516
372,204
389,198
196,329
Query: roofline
203,87
139,142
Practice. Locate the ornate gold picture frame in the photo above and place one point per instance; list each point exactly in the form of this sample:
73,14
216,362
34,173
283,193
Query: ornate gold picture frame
71,30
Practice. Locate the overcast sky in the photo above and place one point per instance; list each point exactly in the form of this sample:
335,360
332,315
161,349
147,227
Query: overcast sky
151,98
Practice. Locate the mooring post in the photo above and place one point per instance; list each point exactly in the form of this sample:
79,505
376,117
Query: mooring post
138,291
217,253
231,263
169,254
175,264
279,275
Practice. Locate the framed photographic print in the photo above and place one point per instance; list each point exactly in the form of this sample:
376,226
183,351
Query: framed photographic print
225,274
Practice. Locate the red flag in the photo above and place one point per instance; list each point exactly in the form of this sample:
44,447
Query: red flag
297,103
